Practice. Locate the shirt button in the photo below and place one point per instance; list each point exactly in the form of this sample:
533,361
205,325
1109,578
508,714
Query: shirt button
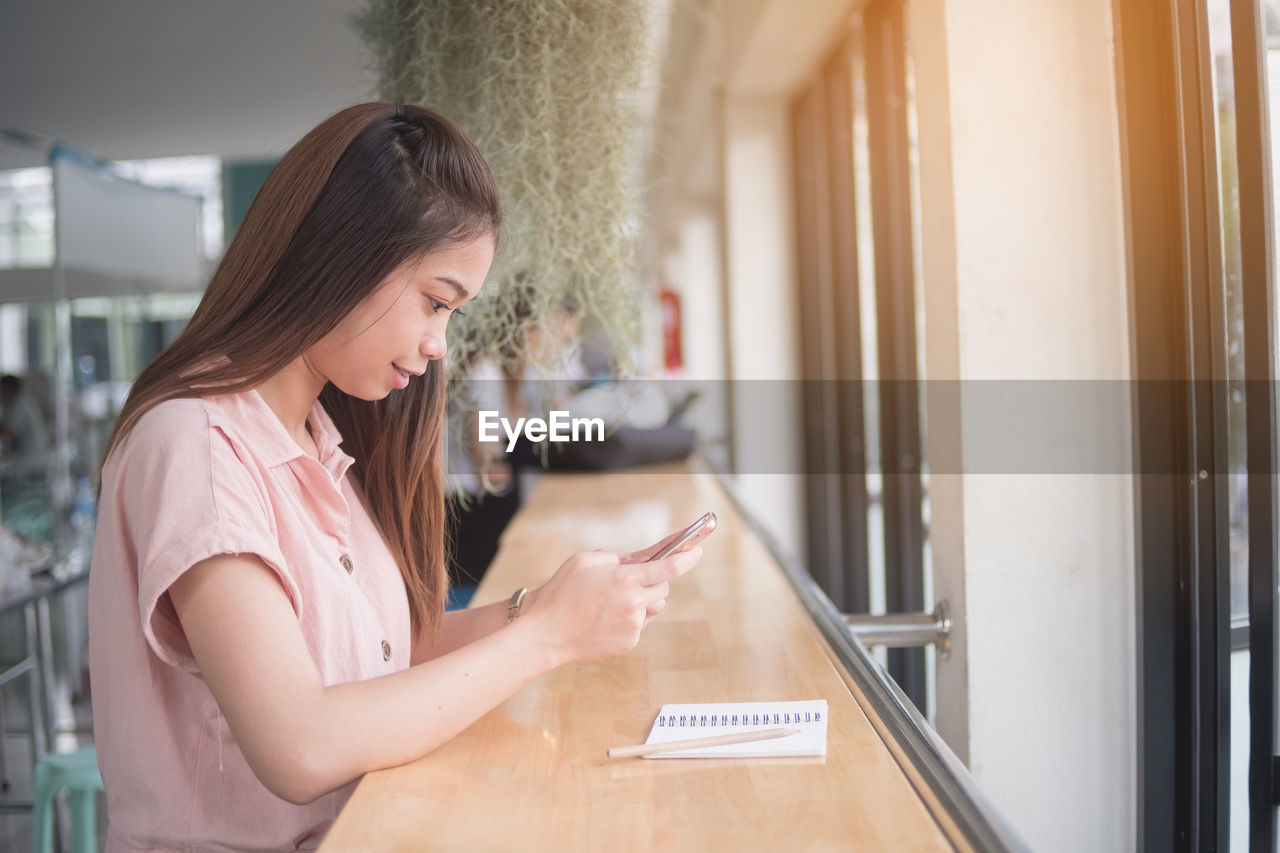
386,650
346,563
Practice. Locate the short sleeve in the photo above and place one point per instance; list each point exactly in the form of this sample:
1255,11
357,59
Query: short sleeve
184,495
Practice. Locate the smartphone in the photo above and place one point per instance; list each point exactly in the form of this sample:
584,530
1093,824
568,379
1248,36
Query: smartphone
692,535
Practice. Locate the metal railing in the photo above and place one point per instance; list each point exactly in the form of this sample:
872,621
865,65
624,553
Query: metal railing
938,768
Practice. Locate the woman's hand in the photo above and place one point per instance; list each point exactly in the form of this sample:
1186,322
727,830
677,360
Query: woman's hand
597,603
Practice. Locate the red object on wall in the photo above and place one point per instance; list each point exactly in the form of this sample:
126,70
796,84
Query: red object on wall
672,353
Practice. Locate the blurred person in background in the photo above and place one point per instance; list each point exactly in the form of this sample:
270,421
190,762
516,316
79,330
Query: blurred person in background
22,428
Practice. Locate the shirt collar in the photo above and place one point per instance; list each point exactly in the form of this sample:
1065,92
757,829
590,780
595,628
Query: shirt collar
327,439
249,416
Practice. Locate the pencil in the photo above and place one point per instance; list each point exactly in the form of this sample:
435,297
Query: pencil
697,742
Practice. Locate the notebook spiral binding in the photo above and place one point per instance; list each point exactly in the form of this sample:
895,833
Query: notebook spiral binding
695,721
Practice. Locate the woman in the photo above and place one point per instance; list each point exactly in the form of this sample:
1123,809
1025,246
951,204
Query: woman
265,607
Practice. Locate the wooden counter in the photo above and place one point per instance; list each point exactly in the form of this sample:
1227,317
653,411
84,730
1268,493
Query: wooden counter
532,774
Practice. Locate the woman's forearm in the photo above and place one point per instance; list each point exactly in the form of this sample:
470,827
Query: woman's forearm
460,627
390,720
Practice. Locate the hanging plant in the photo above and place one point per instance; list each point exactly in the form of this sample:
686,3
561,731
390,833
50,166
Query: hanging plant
547,91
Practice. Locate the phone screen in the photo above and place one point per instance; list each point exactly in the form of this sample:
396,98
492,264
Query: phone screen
692,535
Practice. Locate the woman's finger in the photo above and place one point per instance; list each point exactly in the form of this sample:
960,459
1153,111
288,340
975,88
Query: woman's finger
643,556
656,592
668,568
595,558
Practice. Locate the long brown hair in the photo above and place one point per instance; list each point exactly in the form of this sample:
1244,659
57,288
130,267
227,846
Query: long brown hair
362,193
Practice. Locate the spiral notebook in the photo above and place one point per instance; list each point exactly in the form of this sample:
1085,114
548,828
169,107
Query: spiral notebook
682,722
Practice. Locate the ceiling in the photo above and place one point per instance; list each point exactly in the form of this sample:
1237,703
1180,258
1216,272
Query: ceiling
131,79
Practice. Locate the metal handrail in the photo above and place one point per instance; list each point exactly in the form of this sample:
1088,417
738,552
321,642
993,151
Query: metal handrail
947,778
904,630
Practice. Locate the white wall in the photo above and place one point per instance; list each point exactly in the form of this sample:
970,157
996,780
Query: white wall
764,310
694,271
766,48
1025,279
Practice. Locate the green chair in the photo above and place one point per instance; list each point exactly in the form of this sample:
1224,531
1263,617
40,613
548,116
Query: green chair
77,772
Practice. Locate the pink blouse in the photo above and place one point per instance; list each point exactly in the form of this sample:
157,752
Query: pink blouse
194,479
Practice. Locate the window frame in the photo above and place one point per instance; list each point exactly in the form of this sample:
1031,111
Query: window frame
1173,229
